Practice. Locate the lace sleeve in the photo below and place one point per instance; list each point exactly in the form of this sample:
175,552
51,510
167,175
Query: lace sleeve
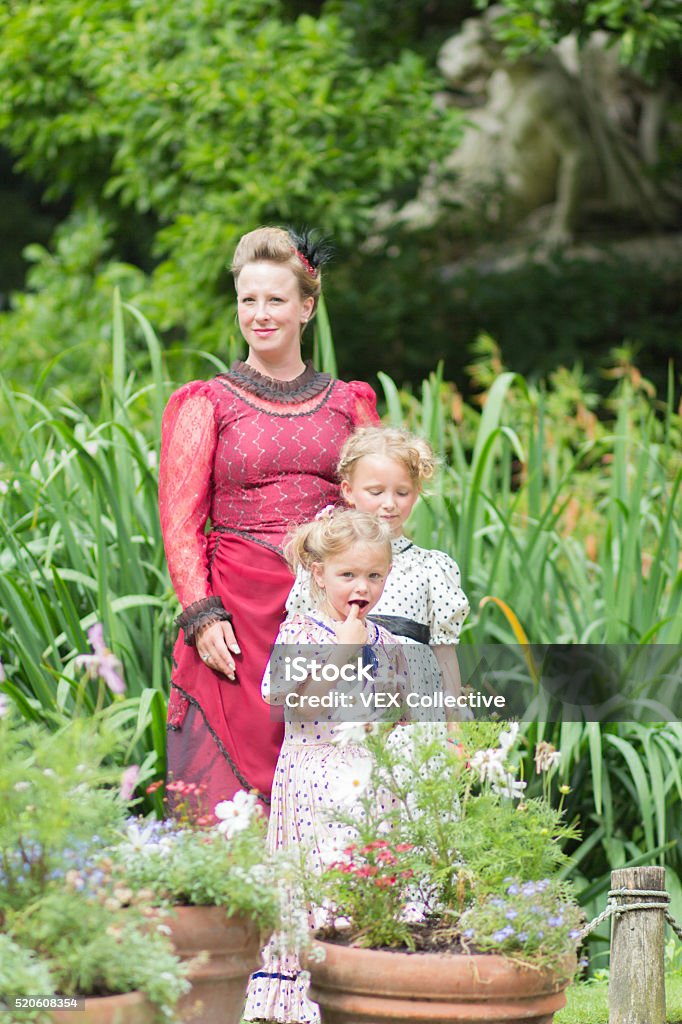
188,443
365,404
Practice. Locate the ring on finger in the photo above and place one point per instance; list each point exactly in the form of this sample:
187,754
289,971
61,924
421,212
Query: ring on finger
206,658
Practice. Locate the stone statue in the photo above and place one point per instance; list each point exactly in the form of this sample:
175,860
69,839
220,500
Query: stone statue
552,141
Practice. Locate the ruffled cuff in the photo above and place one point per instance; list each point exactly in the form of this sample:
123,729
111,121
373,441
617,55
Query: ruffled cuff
201,613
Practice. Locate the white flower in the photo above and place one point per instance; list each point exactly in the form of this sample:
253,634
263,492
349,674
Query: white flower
508,738
352,732
21,786
546,757
351,780
489,764
140,839
509,786
3,487
236,814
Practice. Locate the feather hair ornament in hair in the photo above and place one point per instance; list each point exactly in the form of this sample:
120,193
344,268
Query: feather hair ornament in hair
312,251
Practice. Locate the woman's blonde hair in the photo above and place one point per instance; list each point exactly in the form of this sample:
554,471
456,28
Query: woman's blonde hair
275,245
413,452
331,534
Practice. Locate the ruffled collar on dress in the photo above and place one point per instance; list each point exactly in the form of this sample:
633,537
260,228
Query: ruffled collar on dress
307,385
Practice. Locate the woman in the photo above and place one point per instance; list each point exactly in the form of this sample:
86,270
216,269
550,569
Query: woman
254,452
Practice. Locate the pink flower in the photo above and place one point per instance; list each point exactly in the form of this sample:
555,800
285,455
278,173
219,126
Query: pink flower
102,663
129,781
4,706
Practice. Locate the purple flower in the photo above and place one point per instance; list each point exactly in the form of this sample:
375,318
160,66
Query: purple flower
497,901
503,933
556,921
523,936
574,933
102,663
468,934
543,884
513,890
540,934
511,914
528,889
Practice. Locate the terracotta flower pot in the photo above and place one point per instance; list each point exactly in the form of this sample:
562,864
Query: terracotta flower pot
127,1008
219,985
367,986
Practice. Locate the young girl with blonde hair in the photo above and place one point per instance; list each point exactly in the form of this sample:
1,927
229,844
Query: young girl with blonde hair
382,472
347,557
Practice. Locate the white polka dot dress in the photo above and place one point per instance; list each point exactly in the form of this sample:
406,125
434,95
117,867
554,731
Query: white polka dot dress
313,772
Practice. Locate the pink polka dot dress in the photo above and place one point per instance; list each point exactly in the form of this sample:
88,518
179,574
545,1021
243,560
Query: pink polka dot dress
314,776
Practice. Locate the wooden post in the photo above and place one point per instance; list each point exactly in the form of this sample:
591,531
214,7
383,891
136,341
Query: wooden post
636,979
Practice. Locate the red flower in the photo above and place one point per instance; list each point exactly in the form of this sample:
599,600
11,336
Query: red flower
385,881
378,844
152,788
404,847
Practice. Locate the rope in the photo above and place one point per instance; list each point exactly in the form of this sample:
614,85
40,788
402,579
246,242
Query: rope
613,907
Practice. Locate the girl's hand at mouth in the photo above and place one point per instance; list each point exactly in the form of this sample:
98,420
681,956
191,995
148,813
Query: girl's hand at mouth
352,630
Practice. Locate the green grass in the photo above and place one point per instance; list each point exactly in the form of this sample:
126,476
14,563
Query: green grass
588,1003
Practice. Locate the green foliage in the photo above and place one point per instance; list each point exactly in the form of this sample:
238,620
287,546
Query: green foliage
22,974
57,807
588,1003
53,800
648,34
201,867
209,118
465,855
93,950
83,544
61,324
544,313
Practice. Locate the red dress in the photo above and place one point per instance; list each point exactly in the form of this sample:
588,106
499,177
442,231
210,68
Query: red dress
253,456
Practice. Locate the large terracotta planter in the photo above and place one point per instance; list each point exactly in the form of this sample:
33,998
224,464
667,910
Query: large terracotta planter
219,985
127,1008
367,986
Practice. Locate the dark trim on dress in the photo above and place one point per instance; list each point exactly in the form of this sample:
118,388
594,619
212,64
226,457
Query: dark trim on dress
246,536
400,626
276,974
218,742
307,385
236,393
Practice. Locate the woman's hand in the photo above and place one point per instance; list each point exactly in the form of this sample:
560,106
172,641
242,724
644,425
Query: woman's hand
352,630
214,644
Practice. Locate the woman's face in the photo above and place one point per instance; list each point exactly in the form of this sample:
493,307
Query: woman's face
271,313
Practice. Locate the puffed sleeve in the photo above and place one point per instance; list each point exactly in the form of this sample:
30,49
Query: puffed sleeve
188,442
295,639
299,601
364,401
448,605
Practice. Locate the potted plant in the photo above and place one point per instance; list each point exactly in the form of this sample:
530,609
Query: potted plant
59,803
450,905
212,873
